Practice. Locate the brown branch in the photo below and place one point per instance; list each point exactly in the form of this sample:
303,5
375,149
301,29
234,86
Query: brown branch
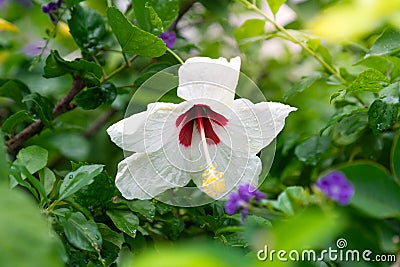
183,9
62,106
100,122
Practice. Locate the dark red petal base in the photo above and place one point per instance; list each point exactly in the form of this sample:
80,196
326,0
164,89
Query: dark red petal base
204,118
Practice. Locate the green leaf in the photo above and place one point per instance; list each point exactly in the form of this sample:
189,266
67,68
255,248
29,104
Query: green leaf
313,43
336,119
125,221
381,115
173,226
394,66
386,44
324,53
17,177
93,97
275,5
291,200
82,233
192,254
71,3
98,194
70,144
4,163
15,119
108,93
391,94
79,178
155,20
305,82
335,95
317,227
163,208
34,158
88,28
39,107
376,193
14,89
379,63
26,237
310,150
372,146
90,98
395,158
249,29
217,7
143,207
48,179
155,15
110,235
369,80
142,15
35,183
143,78
350,128
56,66
132,39
166,10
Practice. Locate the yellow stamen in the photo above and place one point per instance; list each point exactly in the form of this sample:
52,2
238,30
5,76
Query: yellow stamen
213,181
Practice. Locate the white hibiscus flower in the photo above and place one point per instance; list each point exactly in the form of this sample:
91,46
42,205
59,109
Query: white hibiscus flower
210,138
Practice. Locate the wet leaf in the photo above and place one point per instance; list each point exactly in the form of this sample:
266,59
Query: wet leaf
132,39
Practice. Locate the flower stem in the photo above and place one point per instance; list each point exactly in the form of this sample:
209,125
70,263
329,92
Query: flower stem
293,39
175,55
120,68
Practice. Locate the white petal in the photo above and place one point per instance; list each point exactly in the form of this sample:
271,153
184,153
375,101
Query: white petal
144,176
252,127
237,168
147,131
125,133
202,79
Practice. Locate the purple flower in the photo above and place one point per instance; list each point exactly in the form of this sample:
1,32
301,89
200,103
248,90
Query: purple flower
336,186
52,9
169,38
242,200
34,48
247,192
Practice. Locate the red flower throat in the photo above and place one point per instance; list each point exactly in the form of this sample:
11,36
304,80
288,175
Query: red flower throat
204,117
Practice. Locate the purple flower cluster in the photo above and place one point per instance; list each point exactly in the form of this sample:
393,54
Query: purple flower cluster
241,200
169,38
52,9
336,186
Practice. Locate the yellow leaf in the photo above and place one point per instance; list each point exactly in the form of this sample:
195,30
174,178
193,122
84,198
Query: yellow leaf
7,26
3,56
63,30
351,20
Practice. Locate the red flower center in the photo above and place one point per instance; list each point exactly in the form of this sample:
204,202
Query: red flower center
204,118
